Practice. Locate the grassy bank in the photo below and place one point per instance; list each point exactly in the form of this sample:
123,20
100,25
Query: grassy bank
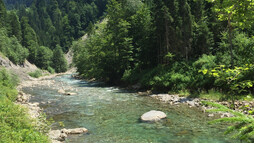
15,124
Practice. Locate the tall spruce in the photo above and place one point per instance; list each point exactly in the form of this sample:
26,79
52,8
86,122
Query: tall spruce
59,62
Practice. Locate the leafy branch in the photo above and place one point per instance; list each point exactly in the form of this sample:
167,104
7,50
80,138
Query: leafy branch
243,127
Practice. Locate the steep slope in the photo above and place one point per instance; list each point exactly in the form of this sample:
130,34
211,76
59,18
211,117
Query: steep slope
20,70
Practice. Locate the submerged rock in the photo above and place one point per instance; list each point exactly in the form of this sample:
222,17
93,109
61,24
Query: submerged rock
60,135
74,131
61,91
57,135
70,93
153,116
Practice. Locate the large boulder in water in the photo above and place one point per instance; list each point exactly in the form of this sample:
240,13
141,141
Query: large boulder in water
153,116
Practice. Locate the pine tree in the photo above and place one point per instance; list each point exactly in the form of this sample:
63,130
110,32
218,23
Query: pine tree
28,34
120,43
3,13
44,56
186,27
59,62
14,26
142,31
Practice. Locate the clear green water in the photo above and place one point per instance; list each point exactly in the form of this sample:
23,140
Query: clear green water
112,116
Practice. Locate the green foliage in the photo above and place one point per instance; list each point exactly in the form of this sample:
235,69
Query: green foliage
11,48
59,62
240,13
243,127
231,79
36,74
243,48
16,126
8,84
44,57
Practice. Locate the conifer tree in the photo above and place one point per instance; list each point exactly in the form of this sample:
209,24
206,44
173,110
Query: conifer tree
2,13
186,27
14,26
59,62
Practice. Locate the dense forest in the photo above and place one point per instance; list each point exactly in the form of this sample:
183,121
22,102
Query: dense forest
177,45
41,31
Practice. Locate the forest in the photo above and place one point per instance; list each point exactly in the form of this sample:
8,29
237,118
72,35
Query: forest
178,45
185,47
42,31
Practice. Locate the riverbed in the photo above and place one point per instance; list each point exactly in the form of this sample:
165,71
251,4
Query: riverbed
112,115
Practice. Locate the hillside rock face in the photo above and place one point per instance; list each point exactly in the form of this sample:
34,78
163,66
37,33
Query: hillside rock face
5,62
20,70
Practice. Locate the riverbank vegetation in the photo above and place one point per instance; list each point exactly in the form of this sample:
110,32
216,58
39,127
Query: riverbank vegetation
188,46
15,124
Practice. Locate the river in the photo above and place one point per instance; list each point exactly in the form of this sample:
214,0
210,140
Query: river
113,115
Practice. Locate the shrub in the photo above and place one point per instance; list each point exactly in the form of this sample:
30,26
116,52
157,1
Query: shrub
36,74
15,126
7,85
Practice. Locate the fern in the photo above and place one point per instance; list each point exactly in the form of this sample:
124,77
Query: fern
243,125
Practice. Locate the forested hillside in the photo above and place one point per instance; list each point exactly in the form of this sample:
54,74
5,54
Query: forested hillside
176,45
42,30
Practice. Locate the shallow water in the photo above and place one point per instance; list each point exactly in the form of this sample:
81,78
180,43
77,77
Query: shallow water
112,115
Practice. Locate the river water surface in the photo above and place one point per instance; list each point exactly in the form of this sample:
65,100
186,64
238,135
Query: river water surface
113,116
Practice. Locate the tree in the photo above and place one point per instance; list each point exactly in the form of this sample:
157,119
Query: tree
142,32
44,57
237,14
2,13
119,44
28,34
59,62
14,26
186,27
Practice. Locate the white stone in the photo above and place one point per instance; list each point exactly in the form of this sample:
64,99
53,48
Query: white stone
153,116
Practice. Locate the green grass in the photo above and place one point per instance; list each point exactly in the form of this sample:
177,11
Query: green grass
213,95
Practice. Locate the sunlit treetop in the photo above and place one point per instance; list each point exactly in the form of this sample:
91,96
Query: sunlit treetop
239,12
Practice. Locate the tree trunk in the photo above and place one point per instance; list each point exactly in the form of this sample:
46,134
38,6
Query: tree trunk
230,39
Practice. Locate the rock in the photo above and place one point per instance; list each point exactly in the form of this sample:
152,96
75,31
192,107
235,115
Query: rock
57,135
153,116
74,131
210,115
225,115
70,93
136,86
191,103
61,91
55,141
23,98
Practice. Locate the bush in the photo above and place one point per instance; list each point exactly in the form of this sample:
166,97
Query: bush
15,126
36,74
7,85
51,70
